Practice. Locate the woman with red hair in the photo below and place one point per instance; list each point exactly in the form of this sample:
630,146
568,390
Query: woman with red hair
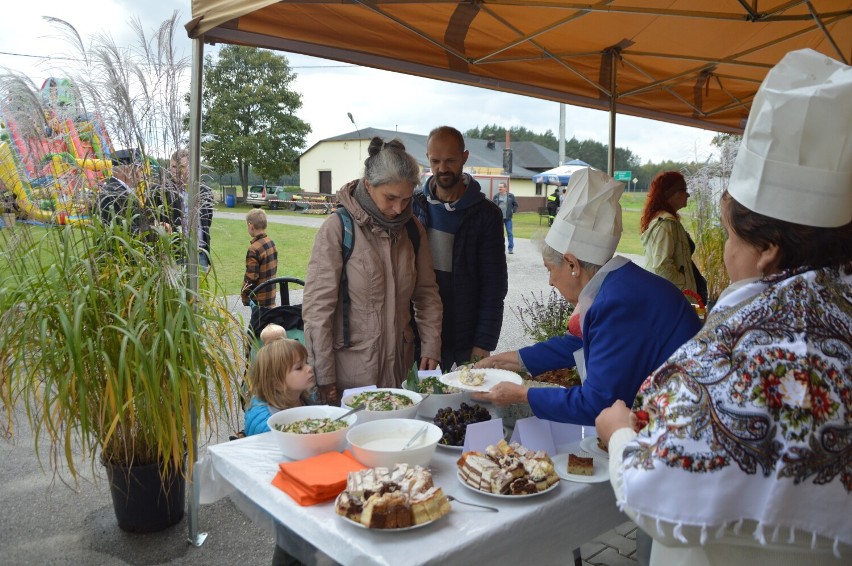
668,247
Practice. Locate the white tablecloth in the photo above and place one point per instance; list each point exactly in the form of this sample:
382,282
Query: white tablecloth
537,530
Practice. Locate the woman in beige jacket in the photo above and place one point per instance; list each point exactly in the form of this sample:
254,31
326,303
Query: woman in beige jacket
385,274
668,247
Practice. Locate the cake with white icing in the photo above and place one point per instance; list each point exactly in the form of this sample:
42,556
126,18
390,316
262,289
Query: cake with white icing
507,469
380,498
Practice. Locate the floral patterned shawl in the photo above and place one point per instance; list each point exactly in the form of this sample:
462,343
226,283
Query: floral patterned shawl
751,420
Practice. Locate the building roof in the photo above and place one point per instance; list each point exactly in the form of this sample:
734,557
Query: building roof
528,158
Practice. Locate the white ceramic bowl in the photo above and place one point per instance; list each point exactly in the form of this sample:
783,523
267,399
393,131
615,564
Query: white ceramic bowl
379,443
408,412
300,446
430,405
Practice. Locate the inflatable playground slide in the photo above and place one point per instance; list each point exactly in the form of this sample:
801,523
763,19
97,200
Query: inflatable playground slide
53,157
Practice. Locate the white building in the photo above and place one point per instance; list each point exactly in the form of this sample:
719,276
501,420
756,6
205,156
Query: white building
332,162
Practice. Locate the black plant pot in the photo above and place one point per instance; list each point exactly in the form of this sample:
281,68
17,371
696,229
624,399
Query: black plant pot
143,501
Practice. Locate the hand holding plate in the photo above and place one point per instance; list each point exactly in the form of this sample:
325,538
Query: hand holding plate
502,394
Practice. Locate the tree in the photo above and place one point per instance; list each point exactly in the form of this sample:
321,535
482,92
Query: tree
592,152
596,154
516,133
249,114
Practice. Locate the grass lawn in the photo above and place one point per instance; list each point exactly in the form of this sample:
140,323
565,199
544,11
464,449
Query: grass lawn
229,240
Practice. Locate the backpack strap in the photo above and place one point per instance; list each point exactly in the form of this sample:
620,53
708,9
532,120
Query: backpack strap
347,243
413,234
346,248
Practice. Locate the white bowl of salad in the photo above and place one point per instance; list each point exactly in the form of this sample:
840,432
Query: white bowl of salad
441,395
384,403
308,431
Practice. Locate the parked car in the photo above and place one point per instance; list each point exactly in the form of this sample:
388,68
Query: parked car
256,196
259,196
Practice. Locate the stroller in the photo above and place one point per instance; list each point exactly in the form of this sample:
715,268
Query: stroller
285,314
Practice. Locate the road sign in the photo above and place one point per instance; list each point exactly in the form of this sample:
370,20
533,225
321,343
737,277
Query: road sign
625,176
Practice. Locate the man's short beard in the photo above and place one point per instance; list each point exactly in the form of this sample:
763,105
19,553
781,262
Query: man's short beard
441,180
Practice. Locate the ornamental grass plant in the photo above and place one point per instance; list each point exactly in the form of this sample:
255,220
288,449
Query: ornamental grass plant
107,349
707,182
109,344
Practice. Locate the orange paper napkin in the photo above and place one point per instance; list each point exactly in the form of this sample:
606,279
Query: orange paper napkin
317,479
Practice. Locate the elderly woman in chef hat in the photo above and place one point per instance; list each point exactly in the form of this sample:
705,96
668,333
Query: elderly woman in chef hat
739,449
627,320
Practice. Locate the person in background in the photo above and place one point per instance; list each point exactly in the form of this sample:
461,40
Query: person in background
738,448
553,204
626,321
508,206
387,279
179,170
466,237
117,196
261,265
562,194
272,332
668,246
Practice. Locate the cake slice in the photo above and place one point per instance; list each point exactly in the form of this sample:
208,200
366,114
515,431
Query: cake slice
581,466
522,486
429,505
388,511
497,481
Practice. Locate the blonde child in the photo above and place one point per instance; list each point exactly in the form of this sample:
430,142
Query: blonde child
272,332
280,379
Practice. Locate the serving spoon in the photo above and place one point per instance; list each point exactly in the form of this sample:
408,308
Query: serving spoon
451,498
415,437
354,409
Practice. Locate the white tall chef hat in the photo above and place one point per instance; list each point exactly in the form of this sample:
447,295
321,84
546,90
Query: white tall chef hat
795,161
589,222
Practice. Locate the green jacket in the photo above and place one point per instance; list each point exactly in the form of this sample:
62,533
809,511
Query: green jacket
667,251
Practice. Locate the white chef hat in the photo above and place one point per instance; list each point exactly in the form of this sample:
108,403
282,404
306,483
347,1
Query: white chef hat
795,161
589,222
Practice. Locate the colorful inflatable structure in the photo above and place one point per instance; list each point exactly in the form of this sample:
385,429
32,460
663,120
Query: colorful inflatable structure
53,155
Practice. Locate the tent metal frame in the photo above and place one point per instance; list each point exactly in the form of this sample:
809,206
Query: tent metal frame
215,21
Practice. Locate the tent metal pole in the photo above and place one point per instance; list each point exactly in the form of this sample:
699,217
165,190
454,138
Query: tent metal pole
612,97
195,538
561,133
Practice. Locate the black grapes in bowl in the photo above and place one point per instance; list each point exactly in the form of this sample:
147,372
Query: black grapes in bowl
454,422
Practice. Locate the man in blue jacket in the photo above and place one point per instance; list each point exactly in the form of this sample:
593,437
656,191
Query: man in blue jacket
466,239
627,321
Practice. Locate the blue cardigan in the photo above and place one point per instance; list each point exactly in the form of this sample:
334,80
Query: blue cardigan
635,323
256,415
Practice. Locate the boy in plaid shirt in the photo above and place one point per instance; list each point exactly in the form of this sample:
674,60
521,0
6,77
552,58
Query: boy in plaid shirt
261,265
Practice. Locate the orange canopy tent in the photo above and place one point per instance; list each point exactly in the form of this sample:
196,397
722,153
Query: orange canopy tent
690,62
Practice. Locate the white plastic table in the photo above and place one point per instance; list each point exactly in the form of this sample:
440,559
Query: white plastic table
544,529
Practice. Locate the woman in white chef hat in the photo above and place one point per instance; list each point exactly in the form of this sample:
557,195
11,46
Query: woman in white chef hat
739,449
627,321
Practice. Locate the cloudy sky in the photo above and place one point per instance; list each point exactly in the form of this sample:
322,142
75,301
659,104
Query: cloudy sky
330,89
